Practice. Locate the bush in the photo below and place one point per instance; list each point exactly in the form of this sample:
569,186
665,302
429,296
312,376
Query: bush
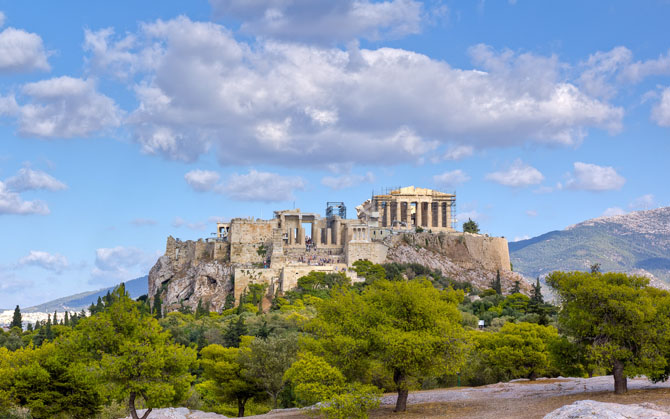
353,403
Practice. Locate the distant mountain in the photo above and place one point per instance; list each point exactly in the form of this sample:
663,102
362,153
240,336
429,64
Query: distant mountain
135,288
638,242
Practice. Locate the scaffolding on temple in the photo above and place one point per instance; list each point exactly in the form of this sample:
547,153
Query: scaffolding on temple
339,206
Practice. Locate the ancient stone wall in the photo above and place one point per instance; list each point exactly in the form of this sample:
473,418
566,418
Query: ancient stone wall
375,252
246,237
246,276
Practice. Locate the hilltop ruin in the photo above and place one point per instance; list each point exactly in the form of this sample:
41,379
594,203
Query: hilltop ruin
278,251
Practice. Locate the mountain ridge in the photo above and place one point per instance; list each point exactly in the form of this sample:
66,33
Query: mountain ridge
637,242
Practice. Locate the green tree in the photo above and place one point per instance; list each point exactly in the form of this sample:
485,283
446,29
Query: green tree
517,350
517,287
135,356
619,318
226,376
200,310
157,308
409,328
267,360
16,319
234,332
595,268
314,379
470,227
496,284
66,318
368,270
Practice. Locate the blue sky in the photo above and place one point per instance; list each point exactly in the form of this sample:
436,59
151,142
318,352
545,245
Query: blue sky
124,122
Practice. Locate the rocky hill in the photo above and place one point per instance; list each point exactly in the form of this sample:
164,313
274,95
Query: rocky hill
638,242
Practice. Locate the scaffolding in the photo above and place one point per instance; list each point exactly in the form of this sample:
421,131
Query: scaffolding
341,209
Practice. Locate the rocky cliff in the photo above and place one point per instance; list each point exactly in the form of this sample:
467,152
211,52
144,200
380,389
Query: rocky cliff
461,256
190,271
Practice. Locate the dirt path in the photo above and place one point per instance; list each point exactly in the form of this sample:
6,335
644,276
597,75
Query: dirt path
519,399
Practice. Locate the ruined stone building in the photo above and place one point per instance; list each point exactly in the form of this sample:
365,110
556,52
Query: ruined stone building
293,243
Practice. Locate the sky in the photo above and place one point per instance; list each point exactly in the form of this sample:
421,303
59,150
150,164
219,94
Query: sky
124,122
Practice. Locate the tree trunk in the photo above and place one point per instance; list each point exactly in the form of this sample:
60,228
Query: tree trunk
620,380
131,407
400,381
240,407
532,376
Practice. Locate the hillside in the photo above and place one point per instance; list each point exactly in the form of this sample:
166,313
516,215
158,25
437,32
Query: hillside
135,288
638,242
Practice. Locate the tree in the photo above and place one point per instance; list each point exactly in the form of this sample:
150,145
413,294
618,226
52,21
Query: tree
471,227
619,318
135,356
16,319
595,268
409,328
200,310
517,287
226,378
268,359
518,350
314,379
66,319
157,309
234,332
496,284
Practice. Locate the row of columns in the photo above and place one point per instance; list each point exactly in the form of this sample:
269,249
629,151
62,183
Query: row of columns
419,213
360,233
332,235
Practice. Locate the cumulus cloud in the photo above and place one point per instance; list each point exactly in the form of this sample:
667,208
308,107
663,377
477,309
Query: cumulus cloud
592,177
45,260
21,51
283,103
262,186
661,111
141,222
324,21
517,175
643,202
613,211
28,179
121,264
197,226
458,152
2,19
451,179
202,180
347,180
62,107
531,213
12,203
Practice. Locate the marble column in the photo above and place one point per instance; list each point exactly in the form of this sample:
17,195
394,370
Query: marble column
316,238
301,235
419,214
439,214
291,236
408,214
398,211
429,215
387,214
336,232
329,236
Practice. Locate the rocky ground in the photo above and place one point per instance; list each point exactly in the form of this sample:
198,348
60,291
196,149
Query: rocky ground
523,399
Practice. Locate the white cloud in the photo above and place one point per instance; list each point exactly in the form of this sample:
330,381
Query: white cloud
28,179
262,186
12,203
282,103
517,175
519,238
2,19
464,216
451,179
21,51
141,222
197,226
347,180
613,211
458,152
643,202
49,261
62,107
661,111
202,180
324,21
121,264
592,177
531,213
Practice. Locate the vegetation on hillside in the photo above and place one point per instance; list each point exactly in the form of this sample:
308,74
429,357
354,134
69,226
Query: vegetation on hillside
405,327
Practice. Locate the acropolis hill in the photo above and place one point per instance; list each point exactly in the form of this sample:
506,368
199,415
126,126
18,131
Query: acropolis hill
408,225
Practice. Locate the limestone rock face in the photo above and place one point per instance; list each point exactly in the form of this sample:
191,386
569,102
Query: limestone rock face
179,413
598,410
461,256
189,282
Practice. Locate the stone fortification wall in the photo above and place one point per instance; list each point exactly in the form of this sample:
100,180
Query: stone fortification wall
461,256
375,252
246,236
183,252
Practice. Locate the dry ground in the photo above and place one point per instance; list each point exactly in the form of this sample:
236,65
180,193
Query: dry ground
520,399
